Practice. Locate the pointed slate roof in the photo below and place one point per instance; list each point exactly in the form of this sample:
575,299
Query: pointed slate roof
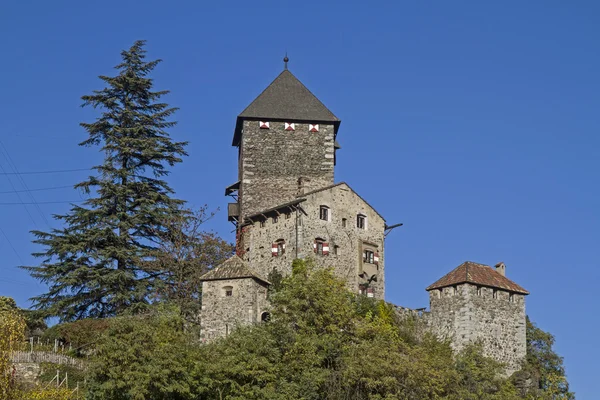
478,274
233,268
286,98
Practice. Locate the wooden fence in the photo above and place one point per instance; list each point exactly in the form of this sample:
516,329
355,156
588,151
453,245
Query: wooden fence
45,356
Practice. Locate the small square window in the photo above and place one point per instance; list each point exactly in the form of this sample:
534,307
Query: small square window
229,293
495,294
344,222
262,224
361,221
275,219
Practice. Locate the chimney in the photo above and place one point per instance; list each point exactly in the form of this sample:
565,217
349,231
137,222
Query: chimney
501,268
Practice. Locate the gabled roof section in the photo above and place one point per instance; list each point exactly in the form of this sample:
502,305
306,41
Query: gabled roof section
233,268
286,98
348,186
477,274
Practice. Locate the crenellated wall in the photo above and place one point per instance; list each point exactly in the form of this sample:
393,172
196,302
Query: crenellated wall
468,313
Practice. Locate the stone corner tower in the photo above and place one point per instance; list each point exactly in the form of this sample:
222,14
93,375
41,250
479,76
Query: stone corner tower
476,303
287,144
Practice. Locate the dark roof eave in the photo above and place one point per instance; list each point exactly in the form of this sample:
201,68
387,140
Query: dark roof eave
273,209
233,278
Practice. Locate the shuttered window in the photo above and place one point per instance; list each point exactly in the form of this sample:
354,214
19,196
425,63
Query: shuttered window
278,248
321,247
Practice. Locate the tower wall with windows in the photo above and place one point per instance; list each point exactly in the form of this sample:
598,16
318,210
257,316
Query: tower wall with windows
277,164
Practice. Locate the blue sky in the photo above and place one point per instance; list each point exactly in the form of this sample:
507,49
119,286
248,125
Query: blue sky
473,123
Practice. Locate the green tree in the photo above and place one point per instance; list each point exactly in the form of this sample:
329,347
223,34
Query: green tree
544,368
183,254
96,266
147,356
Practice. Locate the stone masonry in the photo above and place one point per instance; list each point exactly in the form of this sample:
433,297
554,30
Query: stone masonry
273,160
301,228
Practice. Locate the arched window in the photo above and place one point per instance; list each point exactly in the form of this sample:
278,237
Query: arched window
278,248
227,291
321,247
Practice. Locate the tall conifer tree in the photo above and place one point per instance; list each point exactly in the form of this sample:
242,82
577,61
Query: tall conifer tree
96,265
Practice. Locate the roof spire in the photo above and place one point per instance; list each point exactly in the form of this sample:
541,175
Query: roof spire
285,61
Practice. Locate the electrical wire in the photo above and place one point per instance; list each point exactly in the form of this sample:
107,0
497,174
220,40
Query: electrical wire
59,171
23,183
37,189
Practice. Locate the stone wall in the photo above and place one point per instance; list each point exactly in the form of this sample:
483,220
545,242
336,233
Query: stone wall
299,231
221,314
272,160
468,313
27,372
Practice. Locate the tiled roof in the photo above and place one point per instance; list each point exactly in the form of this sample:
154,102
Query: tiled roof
232,268
287,98
477,274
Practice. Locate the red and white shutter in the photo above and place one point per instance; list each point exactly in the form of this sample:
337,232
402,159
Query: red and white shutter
370,292
263,124
325,249
315,246
290,127
376,259
274,250
313,127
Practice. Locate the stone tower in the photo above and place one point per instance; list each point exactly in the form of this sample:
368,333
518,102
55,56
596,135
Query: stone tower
286,145
288,206
476,303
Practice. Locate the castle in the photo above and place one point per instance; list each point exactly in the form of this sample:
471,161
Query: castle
288,206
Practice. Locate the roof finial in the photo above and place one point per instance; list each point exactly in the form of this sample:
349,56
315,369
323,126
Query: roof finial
285,61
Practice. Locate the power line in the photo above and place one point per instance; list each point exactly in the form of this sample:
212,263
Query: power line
18,195
11,245
37,189
20,178
58,171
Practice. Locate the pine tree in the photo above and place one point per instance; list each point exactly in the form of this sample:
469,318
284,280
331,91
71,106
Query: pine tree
97,264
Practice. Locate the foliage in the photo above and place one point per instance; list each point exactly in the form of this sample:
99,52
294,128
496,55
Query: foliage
147,356
75,375
81,335
322,342
50,393
35,323
95,266
184,253
12,327
543,367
